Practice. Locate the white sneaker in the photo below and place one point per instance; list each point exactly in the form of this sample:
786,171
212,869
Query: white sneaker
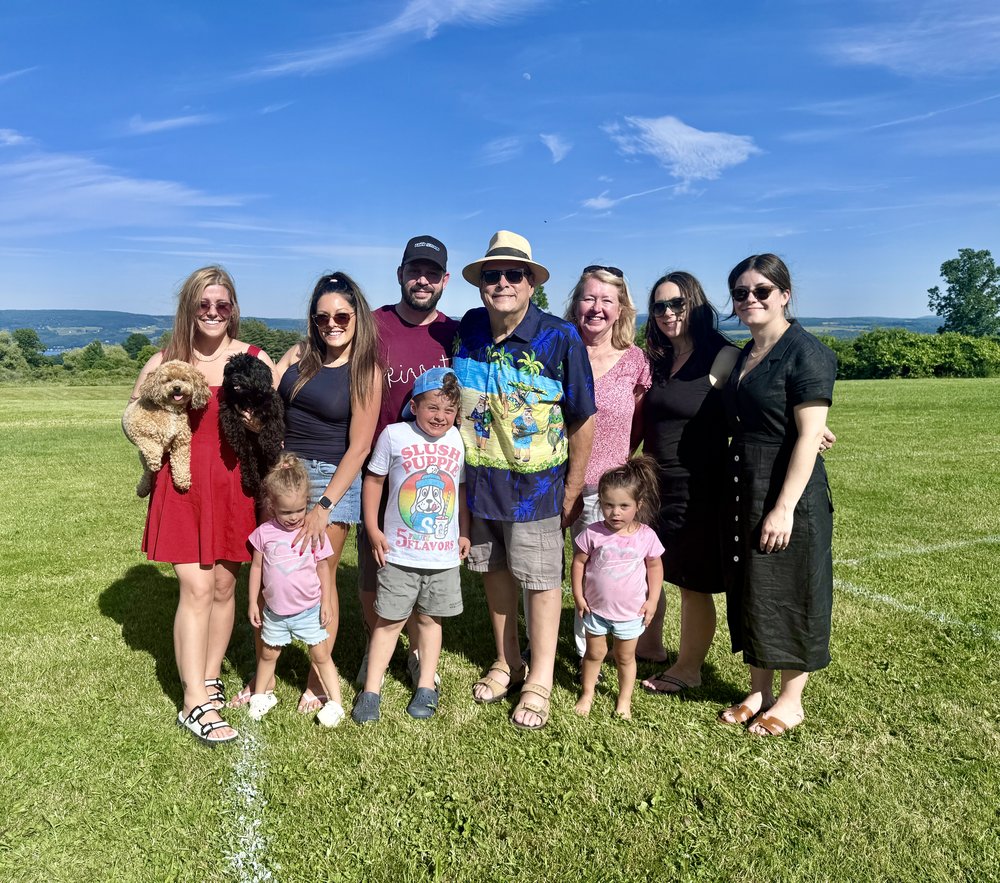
330,714
261,704
413,667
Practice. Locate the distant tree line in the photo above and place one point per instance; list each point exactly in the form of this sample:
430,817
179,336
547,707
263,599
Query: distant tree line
22,355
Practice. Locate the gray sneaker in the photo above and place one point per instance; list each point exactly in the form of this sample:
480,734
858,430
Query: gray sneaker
413,667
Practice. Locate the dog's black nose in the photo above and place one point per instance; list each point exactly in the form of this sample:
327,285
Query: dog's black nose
177,389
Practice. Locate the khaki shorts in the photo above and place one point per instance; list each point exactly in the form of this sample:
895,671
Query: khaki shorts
401,590
531,550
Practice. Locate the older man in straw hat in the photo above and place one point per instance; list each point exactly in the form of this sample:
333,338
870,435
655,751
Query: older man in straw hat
522,372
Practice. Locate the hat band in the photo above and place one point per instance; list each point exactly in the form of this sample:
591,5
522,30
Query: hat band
504,251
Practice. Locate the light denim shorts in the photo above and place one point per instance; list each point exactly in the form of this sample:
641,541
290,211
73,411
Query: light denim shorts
625,630
278,630
347,510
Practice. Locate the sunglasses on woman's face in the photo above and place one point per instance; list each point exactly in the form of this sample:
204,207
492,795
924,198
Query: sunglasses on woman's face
341,320
223,308
614,271
761,292
676,305
492,277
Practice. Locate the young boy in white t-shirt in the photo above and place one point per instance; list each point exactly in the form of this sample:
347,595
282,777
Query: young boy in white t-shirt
424,535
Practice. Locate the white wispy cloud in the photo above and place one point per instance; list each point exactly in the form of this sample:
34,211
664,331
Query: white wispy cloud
689,154
920,117
604,202
13,75
926,39
500,150
557,146
138,126
274,108
44,192
420,19
12,138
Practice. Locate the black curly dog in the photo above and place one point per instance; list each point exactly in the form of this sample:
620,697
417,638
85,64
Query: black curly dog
246,386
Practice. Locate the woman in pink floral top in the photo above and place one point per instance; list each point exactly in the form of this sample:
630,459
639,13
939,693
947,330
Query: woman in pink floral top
602,309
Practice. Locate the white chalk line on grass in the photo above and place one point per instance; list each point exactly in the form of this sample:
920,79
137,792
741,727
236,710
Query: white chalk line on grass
913,610
245,818
920,550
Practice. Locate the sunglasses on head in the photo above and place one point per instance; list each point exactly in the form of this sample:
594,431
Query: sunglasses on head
223,308
341,320
614,271
676,305
761,292
492,277
333,283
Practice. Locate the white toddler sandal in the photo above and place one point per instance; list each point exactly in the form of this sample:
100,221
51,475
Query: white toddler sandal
261,704
331,714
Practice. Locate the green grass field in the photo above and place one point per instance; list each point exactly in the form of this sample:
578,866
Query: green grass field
894,775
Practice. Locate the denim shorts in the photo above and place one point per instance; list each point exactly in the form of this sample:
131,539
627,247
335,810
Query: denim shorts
624,630
347,510
278,630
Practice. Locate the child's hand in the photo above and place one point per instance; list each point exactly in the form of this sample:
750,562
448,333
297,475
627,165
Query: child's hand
464,544
380,546
581,604
253,614
325,613
647,612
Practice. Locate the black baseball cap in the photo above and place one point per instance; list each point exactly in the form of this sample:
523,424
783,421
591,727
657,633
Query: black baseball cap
425,248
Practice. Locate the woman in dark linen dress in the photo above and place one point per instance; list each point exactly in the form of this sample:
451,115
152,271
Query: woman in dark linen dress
780,527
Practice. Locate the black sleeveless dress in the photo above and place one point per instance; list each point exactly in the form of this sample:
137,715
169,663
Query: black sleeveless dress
684,430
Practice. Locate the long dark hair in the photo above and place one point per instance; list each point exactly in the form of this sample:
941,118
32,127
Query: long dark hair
365,359
703,323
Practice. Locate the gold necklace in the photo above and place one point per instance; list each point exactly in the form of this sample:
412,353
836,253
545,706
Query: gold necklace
757,355
222,349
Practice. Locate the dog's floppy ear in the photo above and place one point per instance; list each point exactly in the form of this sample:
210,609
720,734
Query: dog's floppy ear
200,393
150,387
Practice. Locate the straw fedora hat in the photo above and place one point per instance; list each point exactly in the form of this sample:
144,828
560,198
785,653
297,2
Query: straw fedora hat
506,246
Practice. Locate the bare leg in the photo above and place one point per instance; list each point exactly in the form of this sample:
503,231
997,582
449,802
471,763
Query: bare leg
501,598
380,647
545,606
220,628
267,659
650,644
788,706
192,624
337,535
697,632
326,670
760,697
625,662
429,645
597,647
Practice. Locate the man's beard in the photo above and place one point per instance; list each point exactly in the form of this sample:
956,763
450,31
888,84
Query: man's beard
422,306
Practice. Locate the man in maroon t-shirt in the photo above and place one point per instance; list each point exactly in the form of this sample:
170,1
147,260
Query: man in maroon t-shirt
414,337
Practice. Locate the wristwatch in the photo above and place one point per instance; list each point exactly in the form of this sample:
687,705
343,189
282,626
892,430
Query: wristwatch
325,501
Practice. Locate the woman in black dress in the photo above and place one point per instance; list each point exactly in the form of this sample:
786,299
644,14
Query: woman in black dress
778,549
684,430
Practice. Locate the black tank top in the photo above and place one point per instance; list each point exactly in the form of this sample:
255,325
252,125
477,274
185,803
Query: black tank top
318,419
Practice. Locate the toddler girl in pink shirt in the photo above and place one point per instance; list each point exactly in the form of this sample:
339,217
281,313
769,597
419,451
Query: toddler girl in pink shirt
617,573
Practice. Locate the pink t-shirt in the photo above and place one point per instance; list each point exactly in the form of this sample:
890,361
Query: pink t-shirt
614,580
614,393
408,351
290,581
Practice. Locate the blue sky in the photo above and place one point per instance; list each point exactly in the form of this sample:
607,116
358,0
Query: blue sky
139,141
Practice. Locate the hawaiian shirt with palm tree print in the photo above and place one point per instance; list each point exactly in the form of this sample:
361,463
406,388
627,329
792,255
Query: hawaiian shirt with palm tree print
518,397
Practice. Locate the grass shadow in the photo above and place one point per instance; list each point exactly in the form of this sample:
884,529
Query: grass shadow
143,602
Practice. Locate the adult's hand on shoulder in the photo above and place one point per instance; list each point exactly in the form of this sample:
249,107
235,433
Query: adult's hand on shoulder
312,531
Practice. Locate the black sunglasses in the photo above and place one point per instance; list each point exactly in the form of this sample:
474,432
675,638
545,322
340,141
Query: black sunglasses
341,320
614,271
492,277
676,305
761,292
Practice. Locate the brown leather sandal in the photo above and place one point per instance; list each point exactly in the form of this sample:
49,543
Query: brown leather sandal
740,714
529,703
497,690
773,725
